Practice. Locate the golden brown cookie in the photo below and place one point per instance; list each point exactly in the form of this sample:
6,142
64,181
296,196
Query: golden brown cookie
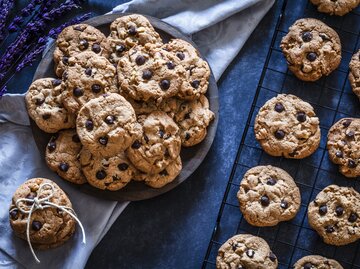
316,262
336,7
354,74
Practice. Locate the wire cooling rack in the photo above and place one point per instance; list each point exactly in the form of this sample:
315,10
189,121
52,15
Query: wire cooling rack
332,99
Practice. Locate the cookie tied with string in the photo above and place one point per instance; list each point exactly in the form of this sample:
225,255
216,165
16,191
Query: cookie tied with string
42,214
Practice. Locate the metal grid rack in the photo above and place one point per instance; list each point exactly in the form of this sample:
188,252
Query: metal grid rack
332,99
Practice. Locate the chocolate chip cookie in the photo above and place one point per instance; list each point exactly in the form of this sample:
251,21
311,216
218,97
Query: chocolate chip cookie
246,251
111,173
197,70
316,262
344,146
107,125
75,39
268,195
49,227
165,176
62,156
88,76
354,74
45,107
336,7
128,31
147,73
287,126
312,49
159,146
334,214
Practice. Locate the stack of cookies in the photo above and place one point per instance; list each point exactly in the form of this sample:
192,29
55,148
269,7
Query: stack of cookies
123,105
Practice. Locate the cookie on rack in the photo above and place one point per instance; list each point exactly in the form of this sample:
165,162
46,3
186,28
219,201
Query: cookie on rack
334,214
246,251
338,7
88,76
62,156
111,173
45,107
197,69
165,176
268,195
312,49
344,146
159,146
49,227
107,125
316,262
150,73
354,74
129,31
287,126
75,39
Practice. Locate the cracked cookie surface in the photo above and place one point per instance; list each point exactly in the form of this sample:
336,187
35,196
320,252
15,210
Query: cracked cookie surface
354,74
335,7
316,262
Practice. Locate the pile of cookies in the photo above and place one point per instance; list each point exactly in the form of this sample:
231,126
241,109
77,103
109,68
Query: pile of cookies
123,105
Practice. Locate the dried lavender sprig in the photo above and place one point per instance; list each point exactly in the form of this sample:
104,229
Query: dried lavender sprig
33,54
59,11
53,33
3,90
25,12
5,8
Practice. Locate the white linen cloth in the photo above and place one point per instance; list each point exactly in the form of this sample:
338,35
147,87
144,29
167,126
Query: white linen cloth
219,28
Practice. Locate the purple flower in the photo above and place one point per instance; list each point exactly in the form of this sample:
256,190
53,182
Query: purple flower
5,7
33,54
25,12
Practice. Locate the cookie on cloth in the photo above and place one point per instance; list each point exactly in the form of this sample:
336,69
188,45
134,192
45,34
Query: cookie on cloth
316,262
287,126
246,251
44,105
312,49
335,7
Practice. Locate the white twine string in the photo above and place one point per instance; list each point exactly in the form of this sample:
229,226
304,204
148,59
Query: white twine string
42,203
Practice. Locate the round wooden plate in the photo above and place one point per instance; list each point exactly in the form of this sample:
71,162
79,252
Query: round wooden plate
191,157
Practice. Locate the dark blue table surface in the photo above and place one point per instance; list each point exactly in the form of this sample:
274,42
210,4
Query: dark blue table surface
173,230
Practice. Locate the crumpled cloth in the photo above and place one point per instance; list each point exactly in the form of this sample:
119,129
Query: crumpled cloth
219,28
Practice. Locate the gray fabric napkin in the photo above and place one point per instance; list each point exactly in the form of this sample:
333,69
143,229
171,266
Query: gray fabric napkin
218,27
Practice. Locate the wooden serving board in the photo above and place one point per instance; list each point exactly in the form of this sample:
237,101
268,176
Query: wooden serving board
191,157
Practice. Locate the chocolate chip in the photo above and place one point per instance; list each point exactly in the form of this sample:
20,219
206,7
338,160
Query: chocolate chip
96,88
339,154
271,181
51,146
75,138
63,167
170,65
146,138
180,55
132,30
119,49
77,92
353,217
36,225
322,210
163,173
147,74
250,253
339,211
346,123
110,119
161,133
195,83
56,82
103,140
165,84
46,116
101,174
284,204
136,144
307,265
123,166
264,200
234,247
187,136
140,60
88,71
65,60
306,36
83,44
279,107
39,102
351,163
272,257
301,116
350,134
324,37
279,134
13,213
311,56
329,229
89,125
187,116
96,48
65,76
